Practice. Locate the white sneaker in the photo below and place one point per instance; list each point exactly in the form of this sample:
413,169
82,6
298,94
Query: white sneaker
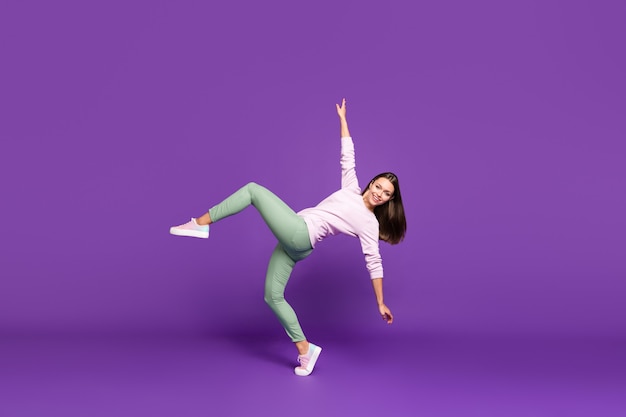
307,362
191,229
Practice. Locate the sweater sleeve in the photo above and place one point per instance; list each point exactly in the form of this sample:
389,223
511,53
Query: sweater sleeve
373,260
348,165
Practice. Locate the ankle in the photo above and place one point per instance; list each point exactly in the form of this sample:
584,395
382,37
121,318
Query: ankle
303,347
203,220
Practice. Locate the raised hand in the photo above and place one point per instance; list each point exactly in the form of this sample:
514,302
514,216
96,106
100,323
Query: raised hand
341,110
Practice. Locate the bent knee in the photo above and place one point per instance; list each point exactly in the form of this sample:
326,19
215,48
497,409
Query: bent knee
272,300
252,186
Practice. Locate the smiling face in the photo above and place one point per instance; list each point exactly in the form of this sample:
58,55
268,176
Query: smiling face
378,193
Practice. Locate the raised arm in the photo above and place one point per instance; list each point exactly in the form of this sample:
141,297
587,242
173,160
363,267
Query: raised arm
348,166
341,111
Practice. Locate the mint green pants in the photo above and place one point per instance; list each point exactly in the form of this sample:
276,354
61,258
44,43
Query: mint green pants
293,246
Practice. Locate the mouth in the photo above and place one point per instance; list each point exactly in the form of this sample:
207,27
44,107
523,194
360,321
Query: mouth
376,199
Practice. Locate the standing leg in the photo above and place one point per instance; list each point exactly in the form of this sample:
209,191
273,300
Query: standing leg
278,273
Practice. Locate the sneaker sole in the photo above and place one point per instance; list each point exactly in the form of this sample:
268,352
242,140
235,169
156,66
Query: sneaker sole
312,362
189,233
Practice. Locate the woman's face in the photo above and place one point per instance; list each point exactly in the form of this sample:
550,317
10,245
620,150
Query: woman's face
378,193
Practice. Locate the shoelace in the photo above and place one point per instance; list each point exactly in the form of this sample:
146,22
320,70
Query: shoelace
303,360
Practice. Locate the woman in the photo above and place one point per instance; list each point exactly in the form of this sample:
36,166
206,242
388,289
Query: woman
376,213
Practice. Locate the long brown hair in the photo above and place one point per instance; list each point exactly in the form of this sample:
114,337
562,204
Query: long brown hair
391,219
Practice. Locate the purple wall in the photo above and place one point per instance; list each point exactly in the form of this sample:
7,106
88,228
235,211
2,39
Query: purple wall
504,122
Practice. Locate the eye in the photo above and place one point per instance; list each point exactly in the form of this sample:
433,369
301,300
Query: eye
378,186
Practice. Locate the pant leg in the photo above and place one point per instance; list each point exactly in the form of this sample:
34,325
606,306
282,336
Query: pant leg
284,223
294,245
278,273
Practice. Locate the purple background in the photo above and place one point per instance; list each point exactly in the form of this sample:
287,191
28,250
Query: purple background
504,121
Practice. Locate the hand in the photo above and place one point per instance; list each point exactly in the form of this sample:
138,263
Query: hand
385,313
341,110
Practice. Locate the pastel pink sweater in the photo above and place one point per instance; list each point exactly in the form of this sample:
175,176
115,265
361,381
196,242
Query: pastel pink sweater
345,212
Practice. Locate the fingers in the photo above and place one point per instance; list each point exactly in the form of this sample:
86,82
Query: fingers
387,316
